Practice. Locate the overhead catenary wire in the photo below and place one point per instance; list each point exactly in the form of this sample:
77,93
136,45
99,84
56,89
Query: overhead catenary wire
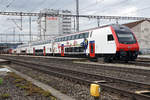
114,5
91,5
138,10
8,5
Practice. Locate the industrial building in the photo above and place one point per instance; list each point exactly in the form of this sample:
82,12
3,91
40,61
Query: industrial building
52,26
142,31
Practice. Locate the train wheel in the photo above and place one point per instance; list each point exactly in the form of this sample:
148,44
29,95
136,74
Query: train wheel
107,59
93,59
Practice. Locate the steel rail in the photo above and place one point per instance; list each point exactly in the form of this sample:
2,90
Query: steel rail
106,87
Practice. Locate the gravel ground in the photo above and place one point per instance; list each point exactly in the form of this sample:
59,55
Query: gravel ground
75,90
16,88
96,69
78,91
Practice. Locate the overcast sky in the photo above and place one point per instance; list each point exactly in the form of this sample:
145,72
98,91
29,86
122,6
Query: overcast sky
89,7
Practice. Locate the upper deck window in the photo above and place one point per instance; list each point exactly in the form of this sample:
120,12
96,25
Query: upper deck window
86,35
65,38
81,36
72,37
77,36
69,38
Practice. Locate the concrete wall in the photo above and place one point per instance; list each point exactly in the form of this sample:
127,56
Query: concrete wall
142,32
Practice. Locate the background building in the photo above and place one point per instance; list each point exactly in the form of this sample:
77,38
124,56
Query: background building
142,31
52,26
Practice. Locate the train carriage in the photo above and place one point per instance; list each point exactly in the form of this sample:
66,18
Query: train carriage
71,44
112,42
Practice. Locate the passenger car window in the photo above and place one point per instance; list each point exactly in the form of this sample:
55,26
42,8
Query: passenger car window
60,39
65,38
110,37
87,35
69,37
72,37
77,36
81,36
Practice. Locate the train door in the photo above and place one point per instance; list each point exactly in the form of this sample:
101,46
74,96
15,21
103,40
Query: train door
10,51
92,49
62,50
44,52
34,51
26,52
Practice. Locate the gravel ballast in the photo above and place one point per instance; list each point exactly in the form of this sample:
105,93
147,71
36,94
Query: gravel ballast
14,87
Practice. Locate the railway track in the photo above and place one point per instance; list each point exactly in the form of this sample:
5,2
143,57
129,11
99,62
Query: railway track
81,66
126,87
138,74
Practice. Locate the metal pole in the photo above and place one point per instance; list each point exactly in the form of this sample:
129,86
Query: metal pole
30,28
74,25
77,13
117,22
40,29
19,38
45,27
21,20
14,34
98,22
6,38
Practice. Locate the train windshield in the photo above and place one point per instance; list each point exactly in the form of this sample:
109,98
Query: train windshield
125,37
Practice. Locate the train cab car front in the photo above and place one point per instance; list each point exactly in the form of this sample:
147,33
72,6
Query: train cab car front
127,45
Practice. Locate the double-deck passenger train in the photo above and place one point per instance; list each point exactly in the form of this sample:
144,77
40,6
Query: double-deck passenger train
112,42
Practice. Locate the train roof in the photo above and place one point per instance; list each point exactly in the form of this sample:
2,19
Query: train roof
115,26
121,28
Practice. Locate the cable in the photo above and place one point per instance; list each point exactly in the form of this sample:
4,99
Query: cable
138,10
65,5
52,4
112,5
91,5
10,3
40,4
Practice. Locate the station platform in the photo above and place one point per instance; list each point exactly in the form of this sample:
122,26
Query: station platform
144,56
50,57
3,61
128,66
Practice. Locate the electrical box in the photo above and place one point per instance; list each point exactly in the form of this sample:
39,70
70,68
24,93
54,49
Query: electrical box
95,90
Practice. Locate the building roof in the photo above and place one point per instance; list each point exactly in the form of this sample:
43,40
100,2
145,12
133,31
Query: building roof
133,24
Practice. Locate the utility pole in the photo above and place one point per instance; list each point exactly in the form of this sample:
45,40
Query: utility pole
77,17
117,22
21,20
98,22
14,34
30,28
40,29
45,25
19,38
74,24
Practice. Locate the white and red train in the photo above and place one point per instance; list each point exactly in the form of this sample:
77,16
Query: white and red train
113,42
